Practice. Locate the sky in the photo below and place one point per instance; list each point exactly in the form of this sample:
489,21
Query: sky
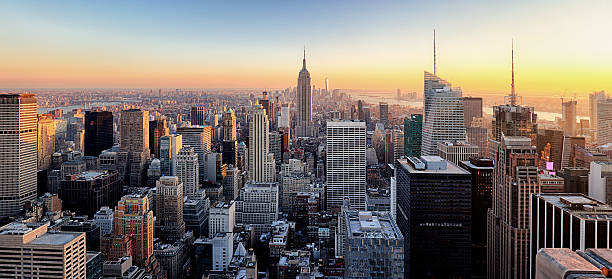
562,48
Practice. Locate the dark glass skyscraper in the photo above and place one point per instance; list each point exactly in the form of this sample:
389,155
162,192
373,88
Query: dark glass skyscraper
434,215
413,131
157,129
98,132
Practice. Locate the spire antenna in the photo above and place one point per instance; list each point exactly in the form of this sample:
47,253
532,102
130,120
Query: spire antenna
434,52
304,60
512,92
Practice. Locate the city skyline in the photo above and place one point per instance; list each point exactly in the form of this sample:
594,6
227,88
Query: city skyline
355,45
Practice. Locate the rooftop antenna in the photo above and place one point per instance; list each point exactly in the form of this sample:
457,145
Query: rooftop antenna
512,92
434,50
304,60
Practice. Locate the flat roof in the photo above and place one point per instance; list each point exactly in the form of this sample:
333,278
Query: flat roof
451,168
368,224
345,123
55,238
579,205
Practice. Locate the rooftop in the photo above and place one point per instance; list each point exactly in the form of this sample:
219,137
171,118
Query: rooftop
55,238
579,205
450,167
368,224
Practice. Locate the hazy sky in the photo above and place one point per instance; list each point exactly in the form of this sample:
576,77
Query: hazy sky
562,47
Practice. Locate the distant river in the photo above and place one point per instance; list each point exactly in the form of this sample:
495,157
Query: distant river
545,115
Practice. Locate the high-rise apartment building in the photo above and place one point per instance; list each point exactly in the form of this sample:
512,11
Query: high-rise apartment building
229,125
86,192
434,213
18,149
481,170
28,250
198,115
46,140
285,117
303,126
369,238
413,133
383,110
99,133
134,218
157,129
169,147
457,151
187,171
262,167
566,220
198,137
472,109
443,119
258,206
169,224
479,136
346,164
135,145
222,218
515,180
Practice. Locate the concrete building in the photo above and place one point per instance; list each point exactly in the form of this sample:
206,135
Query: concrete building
86,192
600,187
457,151
187,170
135,145
479,136
171,258
222,218
64,252
104,219
122,268
604,121
134,218
568,112
223,250
258,206
18,147
515,180
443,119
195,214
262,166
374,245
383,110
572,221
46,140
169,224
550,183
434,213
292,181
231,183
346,164
594,99
576,180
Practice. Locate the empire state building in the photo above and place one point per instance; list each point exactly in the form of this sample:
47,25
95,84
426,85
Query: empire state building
304,103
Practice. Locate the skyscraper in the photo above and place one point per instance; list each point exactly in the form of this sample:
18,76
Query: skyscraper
268,105
383,109
472,109
481,170
569,117
86,192
285,117
157,129
98,132
46,140
135,144
515,180
198,115
346,164
443,106
198,137
134,218
18,149
604,121
169,224
229,145
304,103
258,206
413,131
594,98
187,170
261,162
169,147
434,214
